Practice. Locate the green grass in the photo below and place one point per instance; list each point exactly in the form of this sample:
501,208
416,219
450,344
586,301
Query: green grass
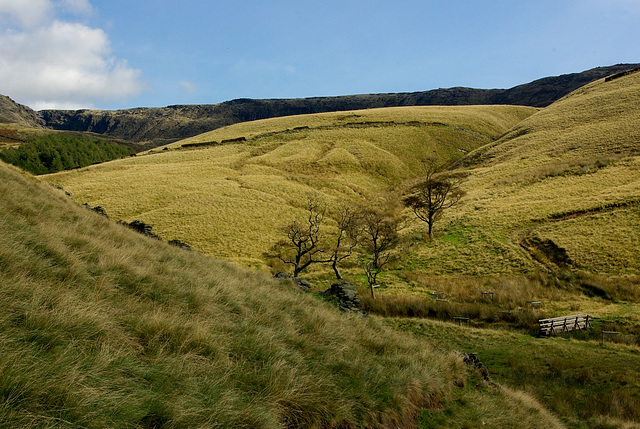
587,384
475,407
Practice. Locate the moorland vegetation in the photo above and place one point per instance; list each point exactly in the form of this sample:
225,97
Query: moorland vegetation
550,213
104,327
157,126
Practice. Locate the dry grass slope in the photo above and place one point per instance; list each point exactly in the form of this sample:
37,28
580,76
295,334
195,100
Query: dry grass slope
101,327
228,200
570,173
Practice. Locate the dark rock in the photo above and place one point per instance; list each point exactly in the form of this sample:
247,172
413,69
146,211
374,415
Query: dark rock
236,140
301,283
60,188
282,276
97,209
158,126
345,295
201,144
180,244
142,228
545,251
472,360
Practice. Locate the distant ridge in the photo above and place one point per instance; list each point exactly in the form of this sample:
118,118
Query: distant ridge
14,113
158,126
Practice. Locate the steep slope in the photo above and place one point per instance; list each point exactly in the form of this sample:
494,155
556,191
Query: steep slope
569,173
230,198
102,327
14,113
163,125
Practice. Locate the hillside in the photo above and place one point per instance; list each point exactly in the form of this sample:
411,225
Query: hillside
230,198
14,113
551,214
28,144
569,173
157,126
102,327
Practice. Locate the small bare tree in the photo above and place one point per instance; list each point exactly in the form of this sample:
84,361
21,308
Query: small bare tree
346,239
380,235
303,246
380,232
372,269
431,197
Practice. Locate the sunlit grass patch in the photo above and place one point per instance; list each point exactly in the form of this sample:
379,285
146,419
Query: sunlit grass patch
230,200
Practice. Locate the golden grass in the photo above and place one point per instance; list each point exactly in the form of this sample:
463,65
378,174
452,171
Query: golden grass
569,173
102,327
578,157
230,200
492,120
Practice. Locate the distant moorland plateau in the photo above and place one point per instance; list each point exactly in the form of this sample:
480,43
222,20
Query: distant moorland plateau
157,126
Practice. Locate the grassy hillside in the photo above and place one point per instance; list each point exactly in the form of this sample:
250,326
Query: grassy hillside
551,213
102,327
17,114
14,134
229,198
569,173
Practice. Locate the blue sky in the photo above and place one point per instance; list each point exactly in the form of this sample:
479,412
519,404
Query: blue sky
126,53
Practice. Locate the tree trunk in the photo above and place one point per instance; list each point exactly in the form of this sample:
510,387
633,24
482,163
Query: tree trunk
334,265
373,295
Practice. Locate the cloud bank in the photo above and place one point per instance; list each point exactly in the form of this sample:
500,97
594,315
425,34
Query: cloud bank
48,62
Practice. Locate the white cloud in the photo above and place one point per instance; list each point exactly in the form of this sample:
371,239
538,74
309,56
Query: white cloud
48,105
59,64
25,13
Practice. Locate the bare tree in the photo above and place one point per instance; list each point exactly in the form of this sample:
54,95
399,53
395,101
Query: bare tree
347,237
431,197
372,269
380,232
303,246
380,235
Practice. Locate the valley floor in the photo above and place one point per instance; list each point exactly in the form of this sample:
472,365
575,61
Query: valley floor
582,381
